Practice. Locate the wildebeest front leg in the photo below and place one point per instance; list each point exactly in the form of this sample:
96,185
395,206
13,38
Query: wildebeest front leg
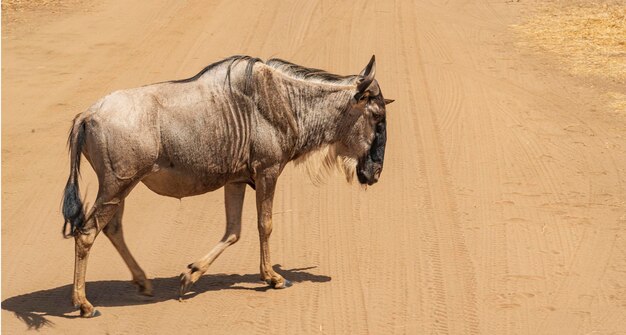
265,186
115,233
233,199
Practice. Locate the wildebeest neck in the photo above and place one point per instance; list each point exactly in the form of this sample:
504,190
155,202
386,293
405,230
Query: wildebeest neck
311,111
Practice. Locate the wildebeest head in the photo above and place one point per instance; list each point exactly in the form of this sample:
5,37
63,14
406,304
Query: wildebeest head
366,133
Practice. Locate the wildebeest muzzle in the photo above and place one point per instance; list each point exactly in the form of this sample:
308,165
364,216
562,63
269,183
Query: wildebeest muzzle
370,166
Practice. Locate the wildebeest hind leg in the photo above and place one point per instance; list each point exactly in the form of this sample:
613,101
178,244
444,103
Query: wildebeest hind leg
110,196
115,233
233,196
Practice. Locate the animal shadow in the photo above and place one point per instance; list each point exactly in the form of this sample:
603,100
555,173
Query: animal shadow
34,308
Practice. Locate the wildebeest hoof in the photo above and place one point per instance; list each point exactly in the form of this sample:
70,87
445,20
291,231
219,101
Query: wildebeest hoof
144,287
93,314
280,285
185,284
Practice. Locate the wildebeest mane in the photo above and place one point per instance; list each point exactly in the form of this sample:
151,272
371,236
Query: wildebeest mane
308,73
283,66
232,60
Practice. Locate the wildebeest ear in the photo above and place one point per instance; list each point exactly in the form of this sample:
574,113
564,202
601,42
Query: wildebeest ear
367,76
388,101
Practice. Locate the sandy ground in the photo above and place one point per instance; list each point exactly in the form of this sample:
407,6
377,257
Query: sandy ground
501,208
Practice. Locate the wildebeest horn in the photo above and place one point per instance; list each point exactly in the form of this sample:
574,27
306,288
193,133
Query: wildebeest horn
367,75
388,101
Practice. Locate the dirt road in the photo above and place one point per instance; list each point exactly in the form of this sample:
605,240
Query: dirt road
501,208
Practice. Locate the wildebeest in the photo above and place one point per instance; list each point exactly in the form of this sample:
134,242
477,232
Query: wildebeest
239,121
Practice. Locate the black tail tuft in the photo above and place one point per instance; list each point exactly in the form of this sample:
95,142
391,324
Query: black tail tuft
73,211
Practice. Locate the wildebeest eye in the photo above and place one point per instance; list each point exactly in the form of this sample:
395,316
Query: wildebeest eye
377,116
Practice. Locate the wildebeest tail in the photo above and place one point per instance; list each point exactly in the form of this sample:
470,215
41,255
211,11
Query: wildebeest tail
73,211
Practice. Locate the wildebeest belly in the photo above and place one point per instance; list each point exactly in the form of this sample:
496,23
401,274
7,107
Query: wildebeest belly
178,183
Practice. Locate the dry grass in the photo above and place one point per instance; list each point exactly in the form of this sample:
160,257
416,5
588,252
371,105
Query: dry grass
23,5
22,15
617,102
588,39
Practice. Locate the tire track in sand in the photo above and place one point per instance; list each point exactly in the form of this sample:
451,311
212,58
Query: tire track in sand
453,283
